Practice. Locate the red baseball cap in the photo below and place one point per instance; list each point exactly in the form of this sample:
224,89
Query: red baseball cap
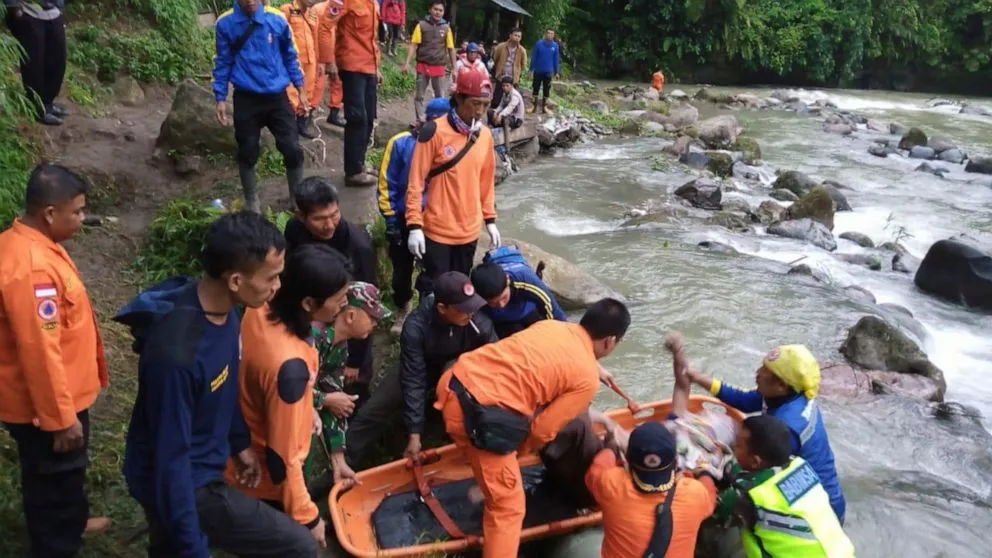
474,84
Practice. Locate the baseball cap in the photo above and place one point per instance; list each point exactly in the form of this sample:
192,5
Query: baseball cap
437,108
366,296
651,453
455,289
472,47
474,84
797,367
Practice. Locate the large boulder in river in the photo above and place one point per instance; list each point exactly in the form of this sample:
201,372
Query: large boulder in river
897,129
749,147
573,288
910,386
729,220
955,156
795,182
912,138
681,116
875,344
981,165
719,132
818,205
190,129
841,381
701,193
770,212
840,200
921,152
860,239
720,163
783,195
939,144
957,270
808,230
679,147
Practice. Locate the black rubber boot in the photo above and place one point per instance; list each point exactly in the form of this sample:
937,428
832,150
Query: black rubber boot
303,125
335,118
249,185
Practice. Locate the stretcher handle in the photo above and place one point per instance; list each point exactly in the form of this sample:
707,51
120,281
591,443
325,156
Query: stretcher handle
631,404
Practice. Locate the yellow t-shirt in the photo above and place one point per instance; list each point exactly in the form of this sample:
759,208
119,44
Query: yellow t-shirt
417,38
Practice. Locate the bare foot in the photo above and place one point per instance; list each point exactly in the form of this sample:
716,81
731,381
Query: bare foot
97,526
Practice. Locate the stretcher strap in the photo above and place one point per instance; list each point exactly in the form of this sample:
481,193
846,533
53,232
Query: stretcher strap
433,504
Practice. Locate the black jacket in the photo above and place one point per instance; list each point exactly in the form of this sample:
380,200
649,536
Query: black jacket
356,245
427,345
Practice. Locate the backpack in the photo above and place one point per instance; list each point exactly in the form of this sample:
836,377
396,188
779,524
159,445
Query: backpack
509,257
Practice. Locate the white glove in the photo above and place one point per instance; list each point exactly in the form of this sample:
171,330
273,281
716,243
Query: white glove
494,239
416,243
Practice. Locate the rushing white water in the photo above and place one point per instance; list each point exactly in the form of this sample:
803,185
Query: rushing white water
916,486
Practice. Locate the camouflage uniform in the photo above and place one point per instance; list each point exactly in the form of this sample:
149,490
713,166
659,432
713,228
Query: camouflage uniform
330,379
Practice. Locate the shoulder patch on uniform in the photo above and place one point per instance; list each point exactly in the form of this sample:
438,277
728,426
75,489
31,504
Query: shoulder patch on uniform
294,376
796,484
276,466
427,132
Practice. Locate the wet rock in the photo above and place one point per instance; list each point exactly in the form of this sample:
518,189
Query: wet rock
679,147
128,91
959,271
678,94
770,212
795,182
746,172
839,129
919,388
695,159
875,344
897,129
782,194
720,164
651,94
981,165
657,216
718,247
737,205
840,200
681,116
905,263
921,152
719,132
707,94
653,129
939,144
733,221
784,95
190,128
881,150
702,194
805,229
807,271
955,156
526,152
876,126
840,381
870,261
599,107
860,239
860,293
930,169
817,205
575,289
630,129
975,110
749,147
912,138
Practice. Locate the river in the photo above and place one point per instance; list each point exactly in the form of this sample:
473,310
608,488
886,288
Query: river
916,486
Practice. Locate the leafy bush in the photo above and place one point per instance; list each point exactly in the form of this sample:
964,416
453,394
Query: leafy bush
17,155
148,56
395,85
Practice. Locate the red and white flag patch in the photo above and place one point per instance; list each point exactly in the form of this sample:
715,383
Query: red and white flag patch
45,290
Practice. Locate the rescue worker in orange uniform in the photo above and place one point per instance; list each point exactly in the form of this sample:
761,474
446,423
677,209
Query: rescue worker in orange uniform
348,46
52,364
491,396
304,19
278,369
658,81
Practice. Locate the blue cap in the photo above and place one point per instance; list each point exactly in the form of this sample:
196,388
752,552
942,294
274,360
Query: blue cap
651,453
472,47
437,108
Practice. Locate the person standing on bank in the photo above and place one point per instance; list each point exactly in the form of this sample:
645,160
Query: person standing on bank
394,16
509,59
456,179
255,52
349,50
52,365
318,221
303,17
39,28
546,66
433,44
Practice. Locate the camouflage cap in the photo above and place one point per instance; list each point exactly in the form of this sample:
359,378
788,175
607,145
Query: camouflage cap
366,296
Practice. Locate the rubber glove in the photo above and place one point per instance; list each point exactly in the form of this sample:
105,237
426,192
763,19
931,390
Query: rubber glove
494,238
416,243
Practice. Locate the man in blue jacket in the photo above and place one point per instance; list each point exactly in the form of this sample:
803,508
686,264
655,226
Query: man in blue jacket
186,421
515,296
545,63
393,176
255,52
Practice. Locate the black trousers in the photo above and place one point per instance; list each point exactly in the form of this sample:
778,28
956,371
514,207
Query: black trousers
252,112
359,113
442,258
542,80
43,67
403,264
53,490
239,525
497,94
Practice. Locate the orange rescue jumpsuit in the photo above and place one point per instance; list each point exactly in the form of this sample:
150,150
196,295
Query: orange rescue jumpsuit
349,36
305,24
550,365
277,375
52,363
658,81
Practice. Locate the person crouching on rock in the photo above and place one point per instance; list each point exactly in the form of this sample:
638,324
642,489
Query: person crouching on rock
787,384
515,296
780,503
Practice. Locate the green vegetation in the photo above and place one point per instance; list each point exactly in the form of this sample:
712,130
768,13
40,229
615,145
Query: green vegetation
396,85
17,154
148,56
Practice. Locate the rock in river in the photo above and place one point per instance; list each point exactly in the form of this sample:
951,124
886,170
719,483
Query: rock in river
784,195
922,152
930,169
860,239
808,230
880,150
939,144
913,137
701,193
959,271
905,263
719,132
981,165
860,293
840,200
955,156
720,163
678,147
770,212
818,205
875,344
733,221
749,147
870,261
719,247
795,182
574,288
897,129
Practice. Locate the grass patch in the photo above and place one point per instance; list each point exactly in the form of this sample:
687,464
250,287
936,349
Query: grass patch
270,164
148,55
396,85
373,157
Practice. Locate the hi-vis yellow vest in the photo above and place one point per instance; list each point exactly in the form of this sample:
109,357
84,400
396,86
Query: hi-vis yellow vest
794,518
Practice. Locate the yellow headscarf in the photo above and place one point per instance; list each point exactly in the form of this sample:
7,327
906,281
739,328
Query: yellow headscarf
797,367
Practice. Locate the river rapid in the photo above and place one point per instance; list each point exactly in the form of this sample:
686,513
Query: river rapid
916,486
